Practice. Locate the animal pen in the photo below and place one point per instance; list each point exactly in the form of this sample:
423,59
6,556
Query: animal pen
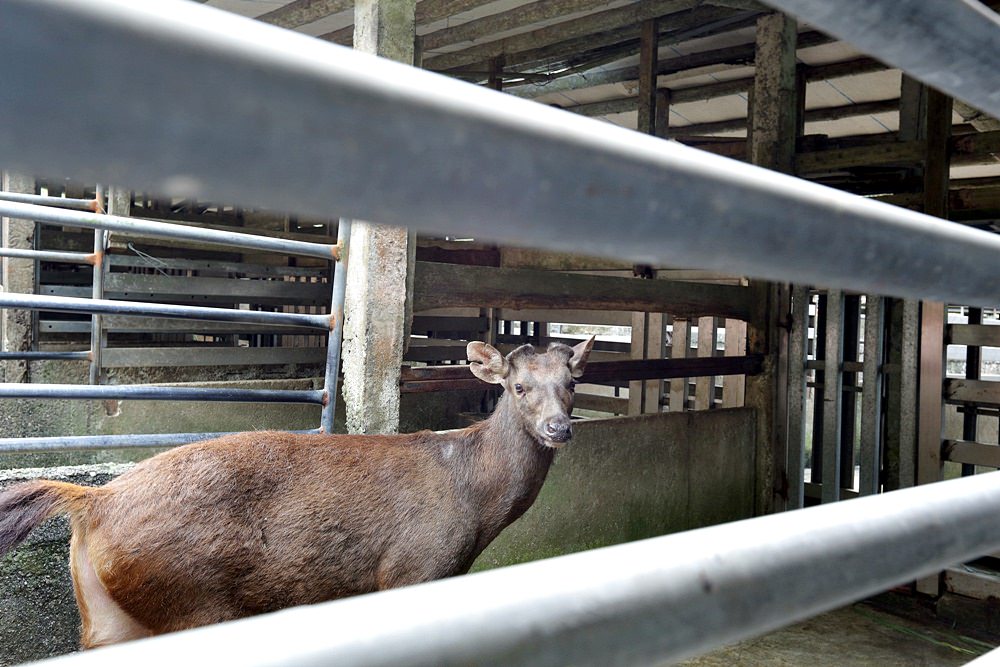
864,301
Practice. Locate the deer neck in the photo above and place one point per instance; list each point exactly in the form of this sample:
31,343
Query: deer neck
506,469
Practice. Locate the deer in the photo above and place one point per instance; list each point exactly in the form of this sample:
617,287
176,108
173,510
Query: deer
254,522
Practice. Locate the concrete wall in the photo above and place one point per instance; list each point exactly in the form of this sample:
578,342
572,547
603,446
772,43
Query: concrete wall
618,480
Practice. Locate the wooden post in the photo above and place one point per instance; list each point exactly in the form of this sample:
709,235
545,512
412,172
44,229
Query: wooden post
772,128
647,328
376,331
832,394
679,348
704,387
19,277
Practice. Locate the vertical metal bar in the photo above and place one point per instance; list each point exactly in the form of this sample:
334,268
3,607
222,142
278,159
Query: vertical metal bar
848,397
336,336
97,292
679,350
832,393
796,449
871,397
973,371
818,386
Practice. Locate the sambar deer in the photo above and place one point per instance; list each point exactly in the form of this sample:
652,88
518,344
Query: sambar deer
254,522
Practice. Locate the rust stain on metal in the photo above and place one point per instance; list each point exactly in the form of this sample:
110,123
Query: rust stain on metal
94,258
337,250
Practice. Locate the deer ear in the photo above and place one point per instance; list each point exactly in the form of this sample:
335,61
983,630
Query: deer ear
581,352
486,362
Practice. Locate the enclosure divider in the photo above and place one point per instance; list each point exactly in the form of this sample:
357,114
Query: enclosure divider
833,385
871,397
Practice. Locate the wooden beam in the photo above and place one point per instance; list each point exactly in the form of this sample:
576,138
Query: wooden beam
980,335
892,152
971,453
428,11
594,50
587,25
739,55
164,357
449,285
811,116
301,12
648,58
980,392
512,19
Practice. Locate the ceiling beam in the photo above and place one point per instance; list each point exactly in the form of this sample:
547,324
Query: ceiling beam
739,55
301,12
592,23
428,11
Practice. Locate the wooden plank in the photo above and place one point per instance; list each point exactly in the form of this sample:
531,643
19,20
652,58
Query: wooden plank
908,381
439,285
165,357
902,153
609,46
220,266
974,584
428,11
636,402
832,397
984,335
655,349
979,392
648,45
301,12
609,404
512,19
973,371
704,386
604,372
680,349
871,397
972,453
586,25
796,448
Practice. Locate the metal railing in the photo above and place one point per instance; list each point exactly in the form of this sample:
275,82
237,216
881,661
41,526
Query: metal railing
31,207
550,179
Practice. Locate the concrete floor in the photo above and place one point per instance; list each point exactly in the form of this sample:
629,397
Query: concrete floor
861,635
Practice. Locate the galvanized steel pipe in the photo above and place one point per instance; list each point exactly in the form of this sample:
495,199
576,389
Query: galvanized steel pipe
44,200
136,392
71,304
649,602
163,230
84,442
314,128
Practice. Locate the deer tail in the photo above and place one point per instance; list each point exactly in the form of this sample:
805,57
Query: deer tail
25,506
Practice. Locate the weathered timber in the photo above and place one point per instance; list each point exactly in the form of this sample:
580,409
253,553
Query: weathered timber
738,55
736,86
980,392
606,20
301,12
893,152
443,378
971,453
811,116
441,285
428,11
519,17
974,148
596,49
649,44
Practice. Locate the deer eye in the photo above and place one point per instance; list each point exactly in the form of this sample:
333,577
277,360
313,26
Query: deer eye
572,385
519,389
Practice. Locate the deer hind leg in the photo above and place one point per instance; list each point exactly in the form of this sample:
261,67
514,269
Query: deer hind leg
103,621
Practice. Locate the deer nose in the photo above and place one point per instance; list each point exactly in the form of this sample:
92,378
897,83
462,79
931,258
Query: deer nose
559,430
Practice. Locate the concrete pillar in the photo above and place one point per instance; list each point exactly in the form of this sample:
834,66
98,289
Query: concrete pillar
376,327
19,277
773,123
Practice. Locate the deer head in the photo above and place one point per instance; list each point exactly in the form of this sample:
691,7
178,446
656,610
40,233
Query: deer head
540,385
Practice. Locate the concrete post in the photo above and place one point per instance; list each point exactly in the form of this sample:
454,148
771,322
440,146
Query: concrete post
376,329
773,123
18,276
